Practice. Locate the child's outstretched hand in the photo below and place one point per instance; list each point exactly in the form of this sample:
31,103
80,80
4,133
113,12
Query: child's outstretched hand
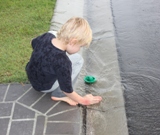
90,99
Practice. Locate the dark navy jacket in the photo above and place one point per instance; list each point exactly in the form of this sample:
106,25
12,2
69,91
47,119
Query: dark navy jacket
48,64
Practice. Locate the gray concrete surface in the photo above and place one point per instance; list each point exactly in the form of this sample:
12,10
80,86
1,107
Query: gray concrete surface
102,62
64,10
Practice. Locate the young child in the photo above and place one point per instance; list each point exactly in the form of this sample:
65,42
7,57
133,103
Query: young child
51,69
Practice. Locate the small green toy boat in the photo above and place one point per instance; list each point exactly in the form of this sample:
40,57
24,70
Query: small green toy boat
89,79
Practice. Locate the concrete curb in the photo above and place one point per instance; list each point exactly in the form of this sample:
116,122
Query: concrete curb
64,10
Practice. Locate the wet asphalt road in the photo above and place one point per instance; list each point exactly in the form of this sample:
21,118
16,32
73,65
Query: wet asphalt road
137,31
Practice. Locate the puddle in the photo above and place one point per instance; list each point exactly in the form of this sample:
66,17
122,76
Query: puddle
137,35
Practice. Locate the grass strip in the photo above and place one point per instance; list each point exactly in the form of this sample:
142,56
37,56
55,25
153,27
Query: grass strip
20,21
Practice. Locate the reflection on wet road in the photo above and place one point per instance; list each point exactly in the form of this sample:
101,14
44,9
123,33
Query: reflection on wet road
137,28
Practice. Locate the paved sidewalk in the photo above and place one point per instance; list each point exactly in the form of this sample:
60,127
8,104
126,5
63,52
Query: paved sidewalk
24,111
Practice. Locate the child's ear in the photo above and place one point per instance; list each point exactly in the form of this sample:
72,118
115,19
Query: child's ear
73,41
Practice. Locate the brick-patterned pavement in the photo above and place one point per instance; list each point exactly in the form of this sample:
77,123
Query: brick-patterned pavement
24,111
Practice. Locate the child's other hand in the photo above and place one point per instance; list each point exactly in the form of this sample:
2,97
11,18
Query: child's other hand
90,99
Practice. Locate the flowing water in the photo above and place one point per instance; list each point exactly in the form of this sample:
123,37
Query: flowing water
137,26
108,117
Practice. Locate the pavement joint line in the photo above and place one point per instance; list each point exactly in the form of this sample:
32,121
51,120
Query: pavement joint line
37,100
30,108
5,117
52,107
23,120
6,92
10,102
45,125
24,94
61,112
6,102
38,114
34,125
11,116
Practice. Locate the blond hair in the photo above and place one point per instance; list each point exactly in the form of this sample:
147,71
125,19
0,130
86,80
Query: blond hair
75,28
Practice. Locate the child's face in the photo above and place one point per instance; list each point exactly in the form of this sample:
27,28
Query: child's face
71,49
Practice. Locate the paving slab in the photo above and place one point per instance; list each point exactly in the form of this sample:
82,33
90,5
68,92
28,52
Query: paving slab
5,109
21,127
15,91
21,112
40,124
30,114
32,99
4,125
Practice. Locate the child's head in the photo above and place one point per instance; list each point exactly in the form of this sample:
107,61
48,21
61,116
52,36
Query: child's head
75,28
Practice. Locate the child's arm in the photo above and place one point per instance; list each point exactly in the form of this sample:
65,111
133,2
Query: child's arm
86,100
